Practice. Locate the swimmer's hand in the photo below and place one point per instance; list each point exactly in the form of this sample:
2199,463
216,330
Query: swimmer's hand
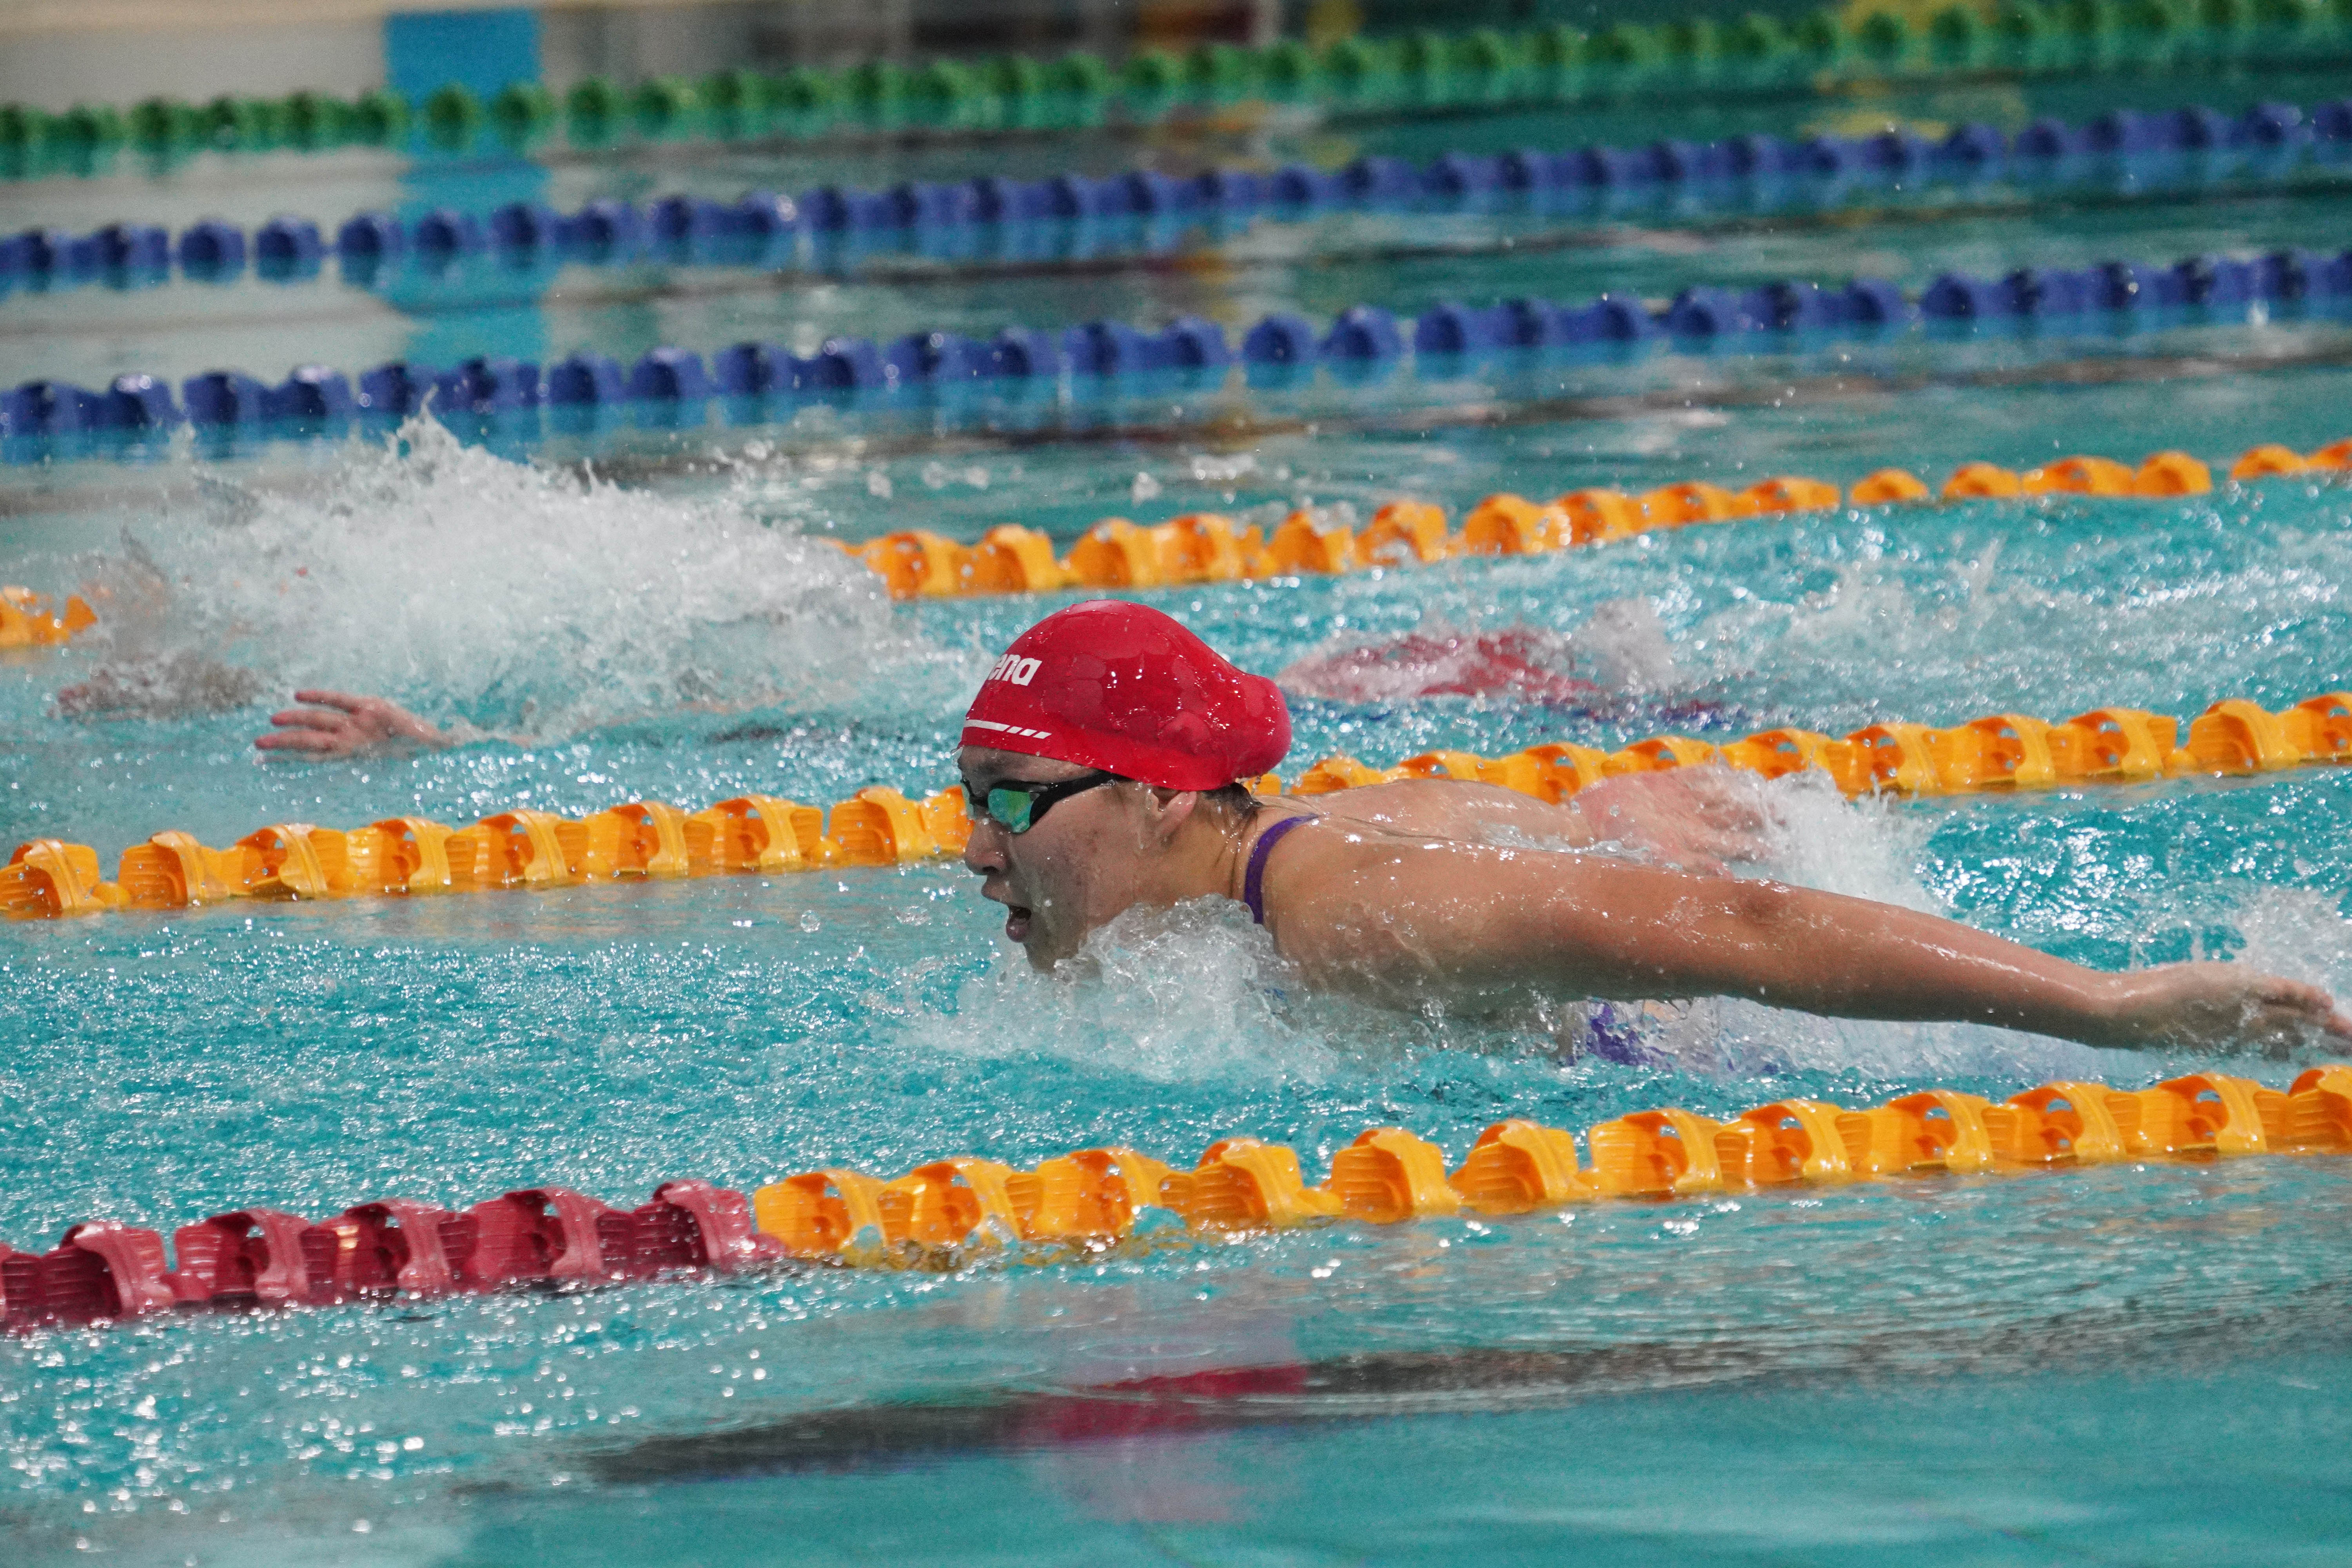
1702,820
338,724
2221,1006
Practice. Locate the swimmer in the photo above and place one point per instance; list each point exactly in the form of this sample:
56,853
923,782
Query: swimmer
1106,756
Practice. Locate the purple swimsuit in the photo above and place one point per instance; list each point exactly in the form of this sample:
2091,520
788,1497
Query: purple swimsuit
1254,879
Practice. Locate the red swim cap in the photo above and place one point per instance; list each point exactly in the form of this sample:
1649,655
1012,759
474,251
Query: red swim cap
1122,687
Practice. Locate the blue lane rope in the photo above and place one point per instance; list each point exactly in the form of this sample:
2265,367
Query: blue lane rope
1364,339
766,229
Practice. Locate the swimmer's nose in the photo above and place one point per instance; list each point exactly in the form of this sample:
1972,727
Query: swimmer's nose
983,852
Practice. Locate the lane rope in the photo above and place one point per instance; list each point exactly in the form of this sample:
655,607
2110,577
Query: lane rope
1205,547
952,1213
2146,151
753,382
1825,51
1209,547
27,619
767,834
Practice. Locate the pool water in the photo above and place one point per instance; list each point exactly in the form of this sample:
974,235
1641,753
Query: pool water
2138,1364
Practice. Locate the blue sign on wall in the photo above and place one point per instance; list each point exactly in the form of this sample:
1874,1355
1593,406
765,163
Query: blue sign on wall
480,50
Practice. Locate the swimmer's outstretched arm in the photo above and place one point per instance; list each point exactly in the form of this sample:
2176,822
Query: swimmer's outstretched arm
1445,919
341,724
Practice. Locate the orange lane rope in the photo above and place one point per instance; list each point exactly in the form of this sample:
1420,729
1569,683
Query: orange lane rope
768,835
949,1211
1389,1174
1208,547
27,620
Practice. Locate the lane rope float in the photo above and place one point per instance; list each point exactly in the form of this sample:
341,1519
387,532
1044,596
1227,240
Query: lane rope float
953,1212
763,229
767,834
1209,547
1826,51
27,619
1205,547
750,382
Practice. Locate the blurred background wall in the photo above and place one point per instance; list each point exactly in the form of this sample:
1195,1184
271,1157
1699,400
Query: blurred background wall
55,53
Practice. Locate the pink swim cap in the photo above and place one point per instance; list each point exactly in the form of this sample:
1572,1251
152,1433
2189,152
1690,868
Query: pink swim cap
1121,686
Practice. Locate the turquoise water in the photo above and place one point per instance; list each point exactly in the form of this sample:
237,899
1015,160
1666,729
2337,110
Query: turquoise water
2133,1365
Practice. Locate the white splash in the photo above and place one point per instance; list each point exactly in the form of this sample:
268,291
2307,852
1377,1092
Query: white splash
510,596
1986,625
1171,996
1626,644
2298,932
1816,837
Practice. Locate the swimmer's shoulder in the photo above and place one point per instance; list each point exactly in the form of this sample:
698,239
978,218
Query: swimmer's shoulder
1302,847
1449,808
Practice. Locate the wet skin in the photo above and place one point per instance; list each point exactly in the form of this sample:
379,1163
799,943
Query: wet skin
340,724
1431,891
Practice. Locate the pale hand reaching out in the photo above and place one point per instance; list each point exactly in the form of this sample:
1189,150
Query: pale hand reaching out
338,724
1701,820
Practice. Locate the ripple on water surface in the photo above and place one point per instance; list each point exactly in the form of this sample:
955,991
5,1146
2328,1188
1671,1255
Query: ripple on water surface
612,1037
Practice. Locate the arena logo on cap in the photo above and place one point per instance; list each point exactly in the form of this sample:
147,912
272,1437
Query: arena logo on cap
1016,670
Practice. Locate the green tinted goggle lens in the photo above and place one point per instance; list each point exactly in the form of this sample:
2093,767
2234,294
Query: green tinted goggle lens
1018,807
1010,806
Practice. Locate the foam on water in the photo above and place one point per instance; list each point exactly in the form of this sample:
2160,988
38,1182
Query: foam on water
2300,933
500,593
2177,605
1968,1370
1187,994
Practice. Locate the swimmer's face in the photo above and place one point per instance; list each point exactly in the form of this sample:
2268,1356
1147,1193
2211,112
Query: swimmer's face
1082,864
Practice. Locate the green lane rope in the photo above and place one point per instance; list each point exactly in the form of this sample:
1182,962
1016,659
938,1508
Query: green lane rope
1824,52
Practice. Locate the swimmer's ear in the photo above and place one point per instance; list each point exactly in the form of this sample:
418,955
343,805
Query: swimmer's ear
1169,809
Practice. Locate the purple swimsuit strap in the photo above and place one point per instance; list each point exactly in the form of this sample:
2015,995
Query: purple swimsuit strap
1254,879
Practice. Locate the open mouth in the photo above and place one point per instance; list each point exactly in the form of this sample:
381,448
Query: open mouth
1016,921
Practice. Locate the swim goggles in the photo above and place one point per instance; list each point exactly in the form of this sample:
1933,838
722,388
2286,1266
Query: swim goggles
1018,807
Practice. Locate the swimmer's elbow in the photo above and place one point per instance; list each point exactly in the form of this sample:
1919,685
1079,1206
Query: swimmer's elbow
1765,911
